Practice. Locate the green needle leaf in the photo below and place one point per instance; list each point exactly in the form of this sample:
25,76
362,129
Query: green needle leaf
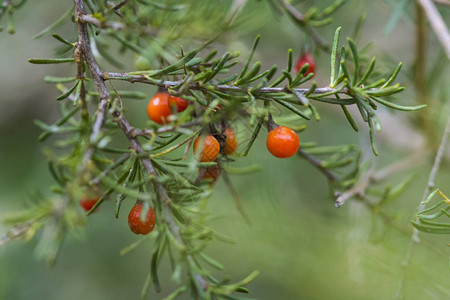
430,228
368,72
67,94
254,135
248,77
372,137
292,108
62,40
289,65
354,49
52,79
211,261
393,76
397,106
176,293
350,118
437,224
43,61
176,66
334,55
255,44
60,122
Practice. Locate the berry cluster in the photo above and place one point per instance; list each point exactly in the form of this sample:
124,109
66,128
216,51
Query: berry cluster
163,105
207,149
282,142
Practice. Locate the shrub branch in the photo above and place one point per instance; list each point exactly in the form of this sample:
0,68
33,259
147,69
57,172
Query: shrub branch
125,126
222,88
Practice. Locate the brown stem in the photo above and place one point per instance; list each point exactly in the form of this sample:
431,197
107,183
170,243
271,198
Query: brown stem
222,88
271,125
94,21
237,200
318,165
119,5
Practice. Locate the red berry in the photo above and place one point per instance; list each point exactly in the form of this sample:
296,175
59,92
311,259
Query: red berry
306,58
158,108
230,142
180,103
210,148
135,223
88,203
282,142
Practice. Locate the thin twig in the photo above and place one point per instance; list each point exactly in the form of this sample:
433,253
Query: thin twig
430,185
439,26
123,123
112,6
13,233
237,200
105,172
372,177
222,88
84,46
119,5
94,21
294,13
318,165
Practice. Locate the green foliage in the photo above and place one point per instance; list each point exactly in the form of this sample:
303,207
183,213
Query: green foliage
174,45
425,217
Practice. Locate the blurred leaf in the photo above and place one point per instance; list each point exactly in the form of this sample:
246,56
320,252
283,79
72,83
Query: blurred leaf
55,25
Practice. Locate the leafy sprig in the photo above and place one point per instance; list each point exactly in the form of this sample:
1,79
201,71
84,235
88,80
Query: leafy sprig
151,167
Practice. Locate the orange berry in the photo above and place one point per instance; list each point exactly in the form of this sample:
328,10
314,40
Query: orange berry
158,108
211,173
180,103
230,142
306,58
135,223
88,203
282,142
209,150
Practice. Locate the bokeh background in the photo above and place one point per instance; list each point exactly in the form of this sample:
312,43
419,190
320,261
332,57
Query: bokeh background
303,246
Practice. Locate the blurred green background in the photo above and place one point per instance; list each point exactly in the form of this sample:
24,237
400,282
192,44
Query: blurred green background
303,246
